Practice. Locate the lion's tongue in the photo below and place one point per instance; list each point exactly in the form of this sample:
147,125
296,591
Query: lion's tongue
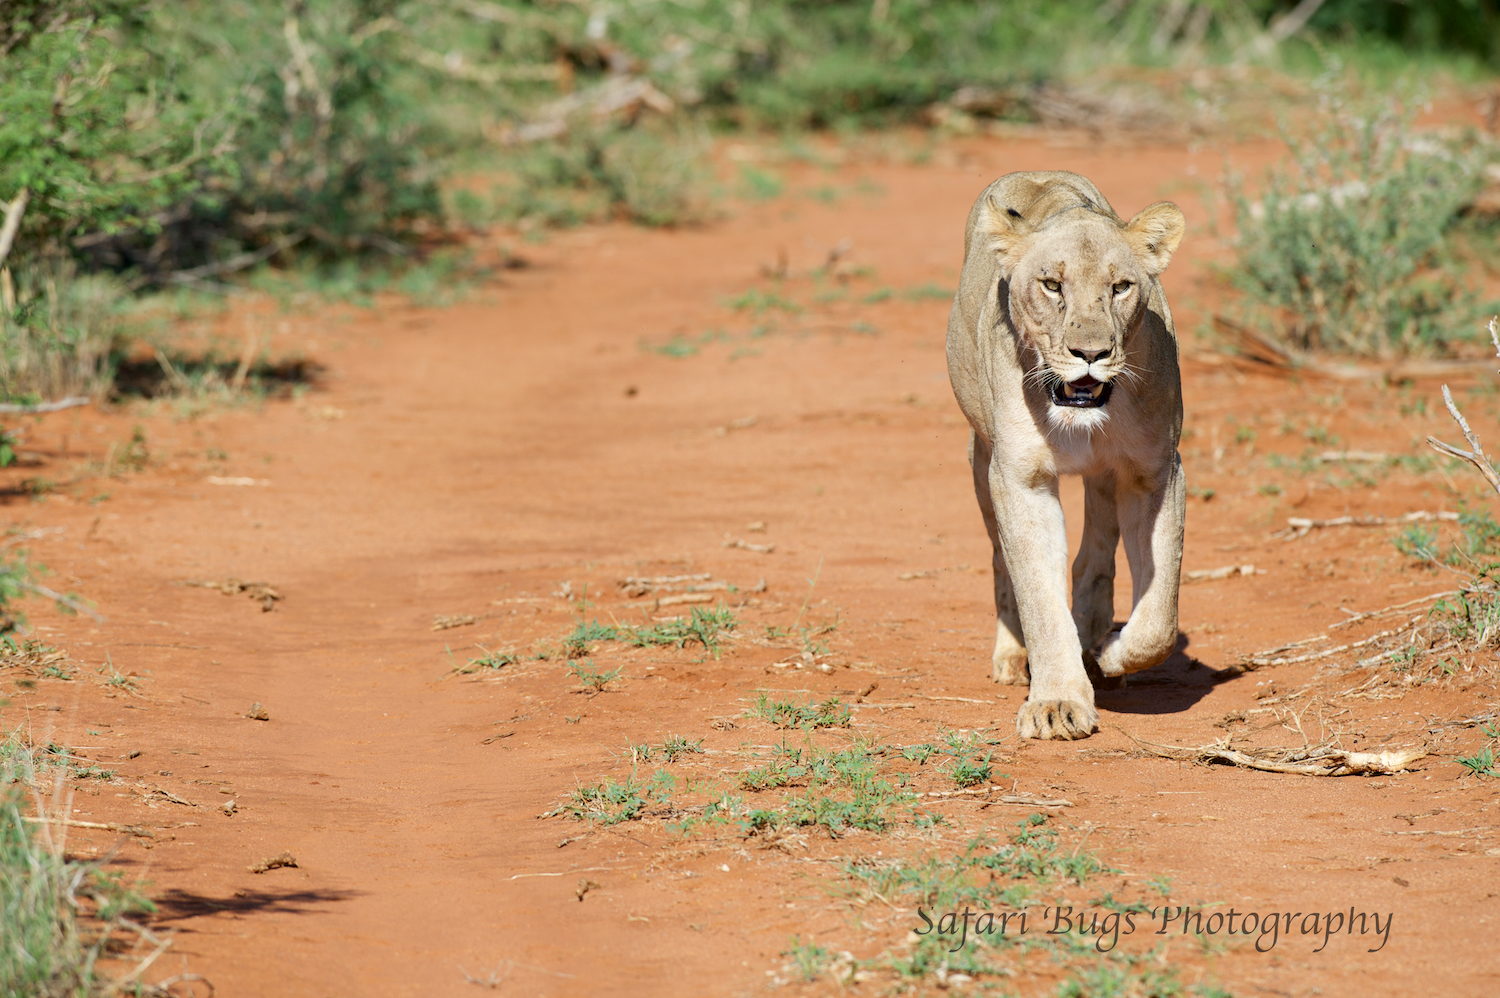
1083,386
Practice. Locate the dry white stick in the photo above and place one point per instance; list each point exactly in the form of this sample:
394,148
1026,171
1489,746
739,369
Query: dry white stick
1356,617
1327,761
66,403
1298,526
1259,660
107,826
1476,457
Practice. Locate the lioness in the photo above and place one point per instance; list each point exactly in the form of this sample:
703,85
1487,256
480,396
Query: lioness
1063,356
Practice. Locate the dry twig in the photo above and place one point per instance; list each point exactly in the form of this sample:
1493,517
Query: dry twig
1297,526
1476,456
1319,760
29,409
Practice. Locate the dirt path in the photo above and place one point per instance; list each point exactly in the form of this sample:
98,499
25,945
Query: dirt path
481,460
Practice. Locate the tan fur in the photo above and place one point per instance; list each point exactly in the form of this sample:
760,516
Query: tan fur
1041,301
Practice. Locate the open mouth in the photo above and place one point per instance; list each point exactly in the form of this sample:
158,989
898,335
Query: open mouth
1085,393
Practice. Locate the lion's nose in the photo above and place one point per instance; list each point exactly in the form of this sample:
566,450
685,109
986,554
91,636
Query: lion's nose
1089,356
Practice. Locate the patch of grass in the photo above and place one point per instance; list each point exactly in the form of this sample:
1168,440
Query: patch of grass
581,640
972,772
1344,249
830,713
808,958
1417,541
654,175
610,802
759,185
592,679
58,339
758,301
928,292
1481,763
489,660
706,627
918,754
838,789
672,749
676,746
48,951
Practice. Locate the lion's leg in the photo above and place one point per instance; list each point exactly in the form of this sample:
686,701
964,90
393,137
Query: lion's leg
1008,663
1151,522
1094,568
1034,538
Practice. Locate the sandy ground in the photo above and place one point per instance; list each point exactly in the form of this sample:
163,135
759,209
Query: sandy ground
609,413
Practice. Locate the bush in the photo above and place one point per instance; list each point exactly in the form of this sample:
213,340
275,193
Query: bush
1345,248
46,951
58,339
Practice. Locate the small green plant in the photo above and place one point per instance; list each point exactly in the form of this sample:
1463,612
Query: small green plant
581,640
759,185
919,754
1417,542
928,292
591,679
610,801
808,958
757,301
706,627
972,772
489,660
677,746
1481,763
830,713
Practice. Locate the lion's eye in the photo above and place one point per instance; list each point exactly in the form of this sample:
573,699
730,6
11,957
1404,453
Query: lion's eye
1122,288
1051,285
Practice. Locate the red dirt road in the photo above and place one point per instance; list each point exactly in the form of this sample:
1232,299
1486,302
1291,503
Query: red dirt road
479,460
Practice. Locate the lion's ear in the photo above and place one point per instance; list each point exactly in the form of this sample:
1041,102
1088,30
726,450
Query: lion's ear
1005,232
1155,233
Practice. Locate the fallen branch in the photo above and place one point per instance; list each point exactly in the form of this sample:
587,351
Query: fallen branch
1356,617
1476,456
1298,527
1319,760
194,275
1259,659
107,826
1258,352
31,408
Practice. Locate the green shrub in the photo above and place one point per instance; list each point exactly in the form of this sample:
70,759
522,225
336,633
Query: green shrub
46,951
59,338
1344,249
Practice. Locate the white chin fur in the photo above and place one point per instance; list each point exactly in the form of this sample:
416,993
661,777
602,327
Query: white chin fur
1071,420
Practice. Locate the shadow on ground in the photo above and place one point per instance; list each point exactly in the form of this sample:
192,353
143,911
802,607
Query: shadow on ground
1170,688
177,905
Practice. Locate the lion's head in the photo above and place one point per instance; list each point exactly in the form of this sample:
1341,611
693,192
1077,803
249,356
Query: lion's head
1078,280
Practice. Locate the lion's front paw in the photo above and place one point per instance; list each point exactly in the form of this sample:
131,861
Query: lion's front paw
1116,657
1010,668
1065,719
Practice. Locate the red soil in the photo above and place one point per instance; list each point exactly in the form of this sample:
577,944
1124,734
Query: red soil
480,459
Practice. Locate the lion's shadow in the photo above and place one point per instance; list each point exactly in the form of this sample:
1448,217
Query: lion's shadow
1170,688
